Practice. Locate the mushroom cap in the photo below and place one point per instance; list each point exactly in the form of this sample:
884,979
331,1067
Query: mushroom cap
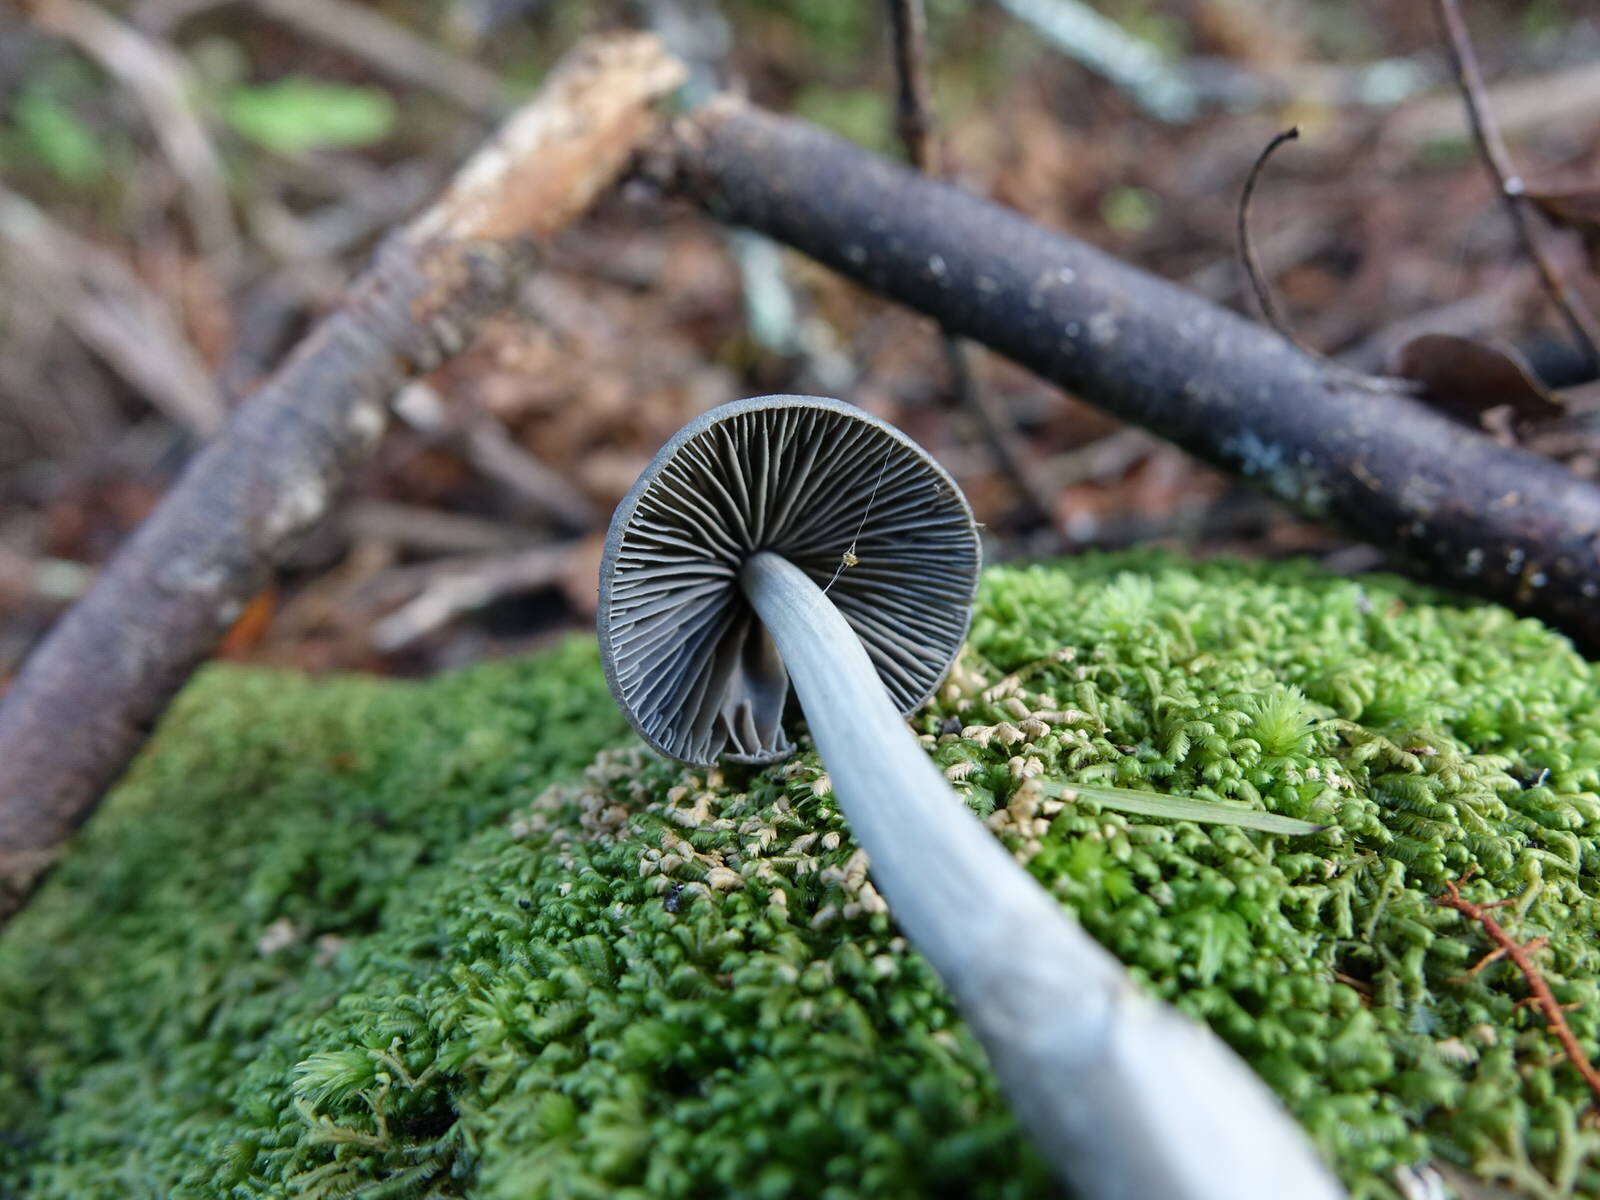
809,478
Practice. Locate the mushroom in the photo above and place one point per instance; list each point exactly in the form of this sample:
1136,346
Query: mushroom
797,540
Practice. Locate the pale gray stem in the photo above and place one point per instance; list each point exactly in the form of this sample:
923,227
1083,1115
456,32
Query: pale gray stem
1125,1097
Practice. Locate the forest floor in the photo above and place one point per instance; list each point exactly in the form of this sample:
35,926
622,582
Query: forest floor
188,184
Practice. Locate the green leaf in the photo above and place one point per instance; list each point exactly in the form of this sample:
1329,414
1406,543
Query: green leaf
1181,808
296,115
53,133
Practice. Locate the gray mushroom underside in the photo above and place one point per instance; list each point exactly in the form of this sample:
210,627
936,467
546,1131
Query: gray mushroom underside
805,477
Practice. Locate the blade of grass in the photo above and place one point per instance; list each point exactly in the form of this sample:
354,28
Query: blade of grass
1180,808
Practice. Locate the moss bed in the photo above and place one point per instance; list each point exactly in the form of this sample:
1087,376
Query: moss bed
466,938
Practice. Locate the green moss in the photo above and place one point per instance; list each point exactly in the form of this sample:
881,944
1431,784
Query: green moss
300,953
273,820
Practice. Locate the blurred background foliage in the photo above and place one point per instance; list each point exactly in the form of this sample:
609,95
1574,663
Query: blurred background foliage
185,185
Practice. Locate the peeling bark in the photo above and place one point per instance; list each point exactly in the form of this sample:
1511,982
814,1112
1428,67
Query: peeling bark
88,697
1495,521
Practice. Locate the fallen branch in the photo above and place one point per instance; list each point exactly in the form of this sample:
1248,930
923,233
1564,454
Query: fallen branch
1521,955
87,698
1494,520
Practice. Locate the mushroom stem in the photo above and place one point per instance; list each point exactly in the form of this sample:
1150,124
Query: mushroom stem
1125,1097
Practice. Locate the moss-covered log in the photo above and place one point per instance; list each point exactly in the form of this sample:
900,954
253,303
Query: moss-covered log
356,938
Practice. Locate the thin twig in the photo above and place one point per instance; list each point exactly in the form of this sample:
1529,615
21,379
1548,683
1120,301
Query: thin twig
370,201
1101,459
1521,954
424,530
97,295
1566,99
908,27
500,457
484,441
914,127
1290,246
995,425
1131,63
452,587
1585,328
55,580
1247,250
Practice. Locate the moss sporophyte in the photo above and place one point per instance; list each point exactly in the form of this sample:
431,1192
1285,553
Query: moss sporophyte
501,973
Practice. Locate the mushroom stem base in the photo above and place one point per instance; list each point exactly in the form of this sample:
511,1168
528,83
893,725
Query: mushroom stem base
1126,1098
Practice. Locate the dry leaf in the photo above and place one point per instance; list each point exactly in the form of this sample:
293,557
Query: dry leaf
1477,383
1575,207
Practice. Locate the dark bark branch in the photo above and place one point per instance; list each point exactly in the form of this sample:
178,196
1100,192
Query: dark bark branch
90,694
1497,521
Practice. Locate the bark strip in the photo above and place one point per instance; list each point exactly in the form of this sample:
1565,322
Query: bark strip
1496,521
89,695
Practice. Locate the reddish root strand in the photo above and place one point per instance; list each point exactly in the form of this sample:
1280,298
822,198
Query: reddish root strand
1521,953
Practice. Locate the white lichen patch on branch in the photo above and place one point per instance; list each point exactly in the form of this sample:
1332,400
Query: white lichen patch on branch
367,420
298,500
1288,479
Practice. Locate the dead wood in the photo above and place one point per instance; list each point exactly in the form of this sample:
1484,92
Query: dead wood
1493,520
85,701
